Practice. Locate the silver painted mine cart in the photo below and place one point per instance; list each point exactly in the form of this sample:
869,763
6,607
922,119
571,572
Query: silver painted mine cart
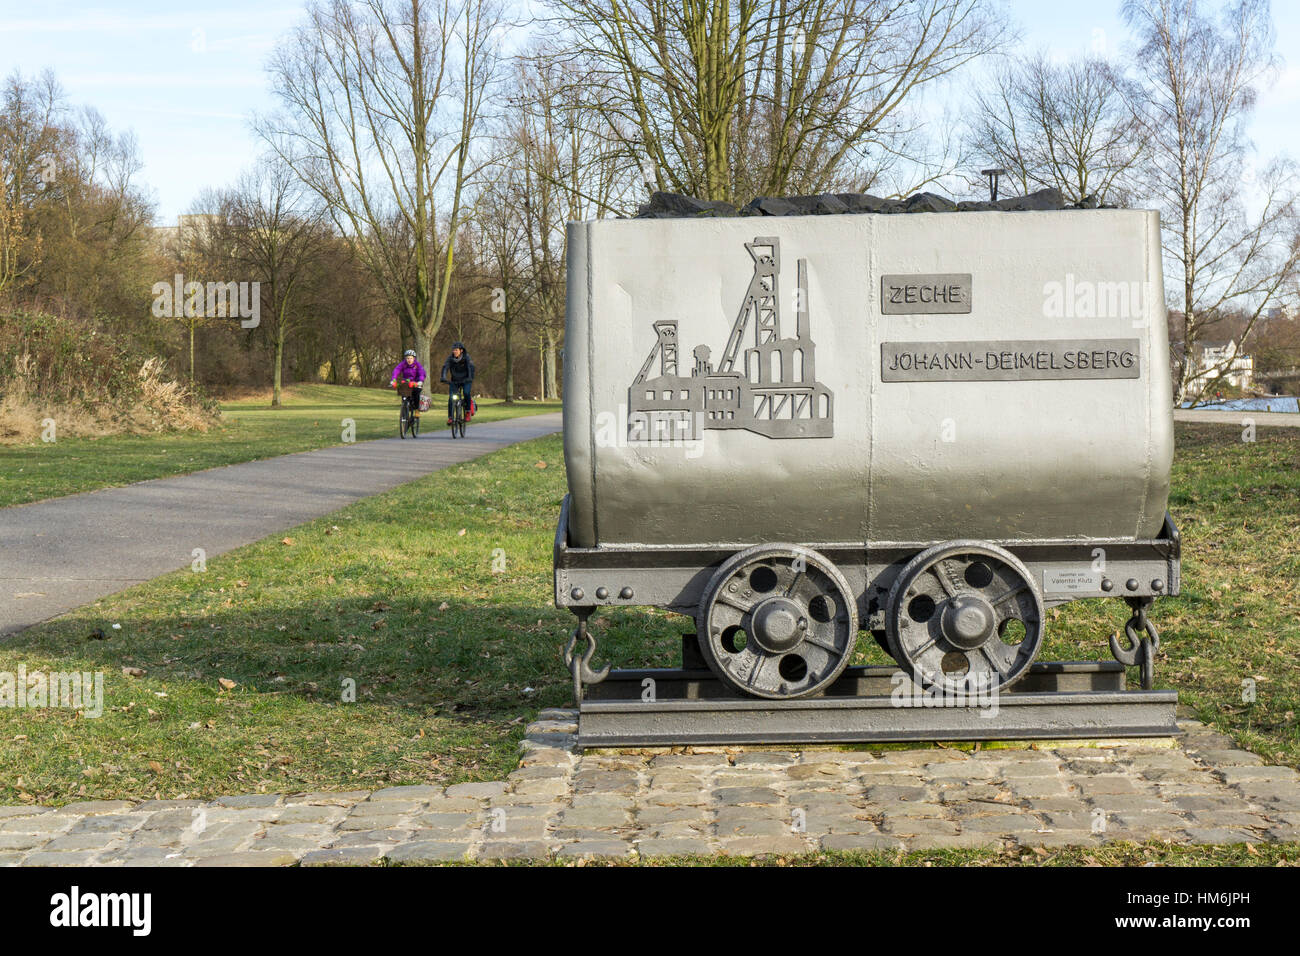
931,427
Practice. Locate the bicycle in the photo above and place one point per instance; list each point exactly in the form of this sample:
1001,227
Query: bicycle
407,420
457,412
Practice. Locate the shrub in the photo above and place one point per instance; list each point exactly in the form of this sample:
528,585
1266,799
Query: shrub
90,382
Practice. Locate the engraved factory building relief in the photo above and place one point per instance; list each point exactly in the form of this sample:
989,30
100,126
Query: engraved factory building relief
769,388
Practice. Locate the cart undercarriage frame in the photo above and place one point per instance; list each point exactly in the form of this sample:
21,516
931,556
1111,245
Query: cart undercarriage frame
776,625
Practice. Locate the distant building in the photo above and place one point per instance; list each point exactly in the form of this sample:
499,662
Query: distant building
1238,370
180,238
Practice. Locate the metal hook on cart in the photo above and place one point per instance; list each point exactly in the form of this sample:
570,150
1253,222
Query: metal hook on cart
580,664
1143,641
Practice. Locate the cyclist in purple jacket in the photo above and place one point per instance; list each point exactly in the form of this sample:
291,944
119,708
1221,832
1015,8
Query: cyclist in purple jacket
409,369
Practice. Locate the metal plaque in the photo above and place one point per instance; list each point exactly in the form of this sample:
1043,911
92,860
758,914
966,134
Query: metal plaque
925,294
1009,361
1070,581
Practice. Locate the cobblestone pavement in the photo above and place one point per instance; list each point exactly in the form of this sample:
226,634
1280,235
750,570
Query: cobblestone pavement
558,804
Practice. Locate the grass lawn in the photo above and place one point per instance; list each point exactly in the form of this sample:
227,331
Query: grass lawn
245,665
312,417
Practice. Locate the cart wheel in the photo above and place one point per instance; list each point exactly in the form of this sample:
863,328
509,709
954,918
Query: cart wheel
964,617
777,621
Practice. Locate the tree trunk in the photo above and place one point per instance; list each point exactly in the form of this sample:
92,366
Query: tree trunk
552,379
508,325
279,362
422,342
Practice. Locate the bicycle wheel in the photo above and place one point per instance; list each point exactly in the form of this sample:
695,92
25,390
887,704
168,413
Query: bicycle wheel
415,425
402,419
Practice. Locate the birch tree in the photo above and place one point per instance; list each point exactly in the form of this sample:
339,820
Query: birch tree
1199,77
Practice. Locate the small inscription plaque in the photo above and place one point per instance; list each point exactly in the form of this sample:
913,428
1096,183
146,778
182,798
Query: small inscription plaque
1070,581
925,294
1009,361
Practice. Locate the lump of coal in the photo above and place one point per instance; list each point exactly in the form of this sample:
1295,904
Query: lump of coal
677,206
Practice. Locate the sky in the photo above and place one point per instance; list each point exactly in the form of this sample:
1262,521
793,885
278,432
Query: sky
187,76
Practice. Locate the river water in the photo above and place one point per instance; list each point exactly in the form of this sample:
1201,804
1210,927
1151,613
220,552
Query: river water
1273,403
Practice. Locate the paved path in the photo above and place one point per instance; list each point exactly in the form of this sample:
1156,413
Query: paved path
1261,419
1198,788
59,554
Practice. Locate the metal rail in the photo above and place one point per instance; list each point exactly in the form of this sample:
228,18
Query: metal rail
1055,700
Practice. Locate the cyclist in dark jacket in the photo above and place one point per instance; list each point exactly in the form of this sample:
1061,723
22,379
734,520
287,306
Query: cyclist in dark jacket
458,371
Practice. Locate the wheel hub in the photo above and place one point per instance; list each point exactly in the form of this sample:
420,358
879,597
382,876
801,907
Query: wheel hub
968,621
779,625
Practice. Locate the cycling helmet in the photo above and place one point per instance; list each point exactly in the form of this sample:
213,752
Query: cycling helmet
410,352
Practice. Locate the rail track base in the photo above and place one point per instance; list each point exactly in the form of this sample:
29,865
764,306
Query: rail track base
1055,700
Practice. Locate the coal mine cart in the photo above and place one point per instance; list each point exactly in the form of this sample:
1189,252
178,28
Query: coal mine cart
929,427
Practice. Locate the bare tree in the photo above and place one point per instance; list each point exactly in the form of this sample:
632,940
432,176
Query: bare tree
273,238
502,274
31,135
569,172
72,219
1199,80
1065,126
381,103
727,99
20,246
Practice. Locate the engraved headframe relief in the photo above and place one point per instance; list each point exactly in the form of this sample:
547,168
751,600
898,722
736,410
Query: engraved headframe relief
768,388
945,293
